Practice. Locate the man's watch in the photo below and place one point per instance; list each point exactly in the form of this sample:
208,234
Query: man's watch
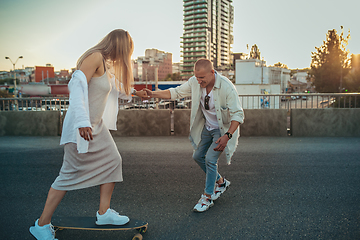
229,135
133,92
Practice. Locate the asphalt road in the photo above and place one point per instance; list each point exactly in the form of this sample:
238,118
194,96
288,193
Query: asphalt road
281,188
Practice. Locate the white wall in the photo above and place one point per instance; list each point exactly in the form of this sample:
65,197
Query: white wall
254,71
248,71
301,76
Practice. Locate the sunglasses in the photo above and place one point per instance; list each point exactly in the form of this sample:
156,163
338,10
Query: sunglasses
207,98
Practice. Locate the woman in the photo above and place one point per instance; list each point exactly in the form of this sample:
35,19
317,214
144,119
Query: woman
91,157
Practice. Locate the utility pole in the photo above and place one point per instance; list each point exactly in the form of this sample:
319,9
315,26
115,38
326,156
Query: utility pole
15,88
156,86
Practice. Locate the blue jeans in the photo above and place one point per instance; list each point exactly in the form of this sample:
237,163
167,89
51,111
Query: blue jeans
207,158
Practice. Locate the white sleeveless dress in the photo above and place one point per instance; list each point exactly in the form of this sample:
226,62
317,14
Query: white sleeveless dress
102,163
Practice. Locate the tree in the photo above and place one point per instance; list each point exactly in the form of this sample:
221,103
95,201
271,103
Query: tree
352,80
281,65
9,81
330,62
254,52
172,77
5,94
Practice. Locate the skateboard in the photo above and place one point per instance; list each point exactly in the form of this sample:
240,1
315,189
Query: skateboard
88,223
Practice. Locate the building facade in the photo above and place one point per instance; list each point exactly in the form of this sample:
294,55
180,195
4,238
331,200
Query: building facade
260,78
44,73
154,63
208,33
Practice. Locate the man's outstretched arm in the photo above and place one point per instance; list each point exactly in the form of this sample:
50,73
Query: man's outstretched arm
158,94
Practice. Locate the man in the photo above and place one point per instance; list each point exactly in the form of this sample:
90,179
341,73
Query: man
216,114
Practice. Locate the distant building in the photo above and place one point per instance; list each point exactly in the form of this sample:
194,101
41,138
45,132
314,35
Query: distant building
176,67
229,73
237,56
4,75
63,76
22,75
208,33
296,86
299,81
44,73
300,76
255,71
154,62
254,77
29,71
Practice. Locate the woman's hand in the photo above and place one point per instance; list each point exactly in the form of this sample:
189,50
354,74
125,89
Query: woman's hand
86,133
143,94
148,92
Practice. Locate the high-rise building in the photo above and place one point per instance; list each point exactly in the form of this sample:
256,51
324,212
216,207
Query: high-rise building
208,33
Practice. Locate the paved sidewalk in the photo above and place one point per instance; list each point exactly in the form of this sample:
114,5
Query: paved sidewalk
281,188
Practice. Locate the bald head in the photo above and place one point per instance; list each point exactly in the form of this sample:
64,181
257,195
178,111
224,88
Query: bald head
204,64
204,73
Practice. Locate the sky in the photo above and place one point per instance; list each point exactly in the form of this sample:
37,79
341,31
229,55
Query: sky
58,32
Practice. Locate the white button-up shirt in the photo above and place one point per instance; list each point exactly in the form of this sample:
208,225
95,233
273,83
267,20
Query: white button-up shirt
77,115
227,105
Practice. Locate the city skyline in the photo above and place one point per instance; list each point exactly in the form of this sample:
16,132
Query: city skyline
58,33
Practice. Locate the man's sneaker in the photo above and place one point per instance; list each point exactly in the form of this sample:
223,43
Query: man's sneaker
45,232
111,217
220,189
203,204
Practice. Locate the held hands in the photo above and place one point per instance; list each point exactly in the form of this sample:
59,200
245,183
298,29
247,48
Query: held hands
222,142
141,94
86,133
148,92
144,94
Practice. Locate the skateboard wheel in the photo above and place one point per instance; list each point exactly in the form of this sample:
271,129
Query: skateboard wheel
142,230
137,236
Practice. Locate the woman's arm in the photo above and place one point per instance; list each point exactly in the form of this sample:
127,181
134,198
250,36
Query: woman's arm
92,66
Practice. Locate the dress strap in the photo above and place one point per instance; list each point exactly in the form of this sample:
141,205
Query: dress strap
104,65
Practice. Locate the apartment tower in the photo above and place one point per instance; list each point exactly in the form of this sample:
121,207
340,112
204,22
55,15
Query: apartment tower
208,33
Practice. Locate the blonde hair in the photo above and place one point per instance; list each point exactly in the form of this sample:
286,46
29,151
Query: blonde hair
116,48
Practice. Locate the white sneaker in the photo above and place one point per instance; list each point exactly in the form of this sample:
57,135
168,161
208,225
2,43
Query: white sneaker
45,232
111,217
220,189
203,204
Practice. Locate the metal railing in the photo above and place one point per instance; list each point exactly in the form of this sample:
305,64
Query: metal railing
295,101
34,104
259,101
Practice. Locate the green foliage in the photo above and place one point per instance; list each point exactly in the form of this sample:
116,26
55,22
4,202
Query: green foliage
281,65
5,94
254,52
352,80
330,62
9,81
173,77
